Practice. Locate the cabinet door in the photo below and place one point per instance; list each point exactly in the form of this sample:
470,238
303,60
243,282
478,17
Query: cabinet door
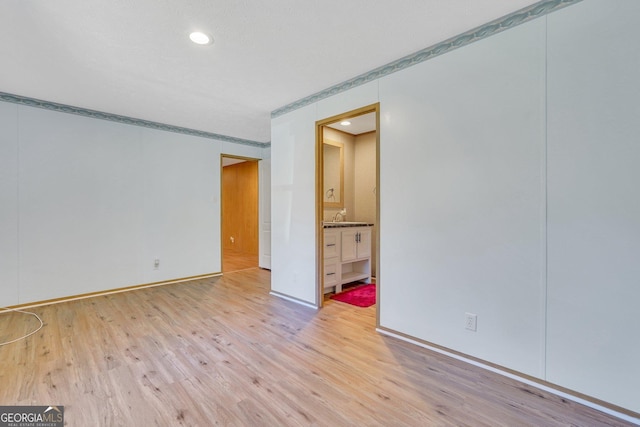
364,243
349,245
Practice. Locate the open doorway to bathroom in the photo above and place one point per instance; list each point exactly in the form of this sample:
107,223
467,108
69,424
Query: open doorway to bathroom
239,193
347,201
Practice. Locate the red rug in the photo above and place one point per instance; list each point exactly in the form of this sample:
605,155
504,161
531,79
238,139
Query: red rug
362,296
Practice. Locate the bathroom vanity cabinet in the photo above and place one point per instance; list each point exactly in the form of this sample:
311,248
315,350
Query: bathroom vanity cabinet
347,254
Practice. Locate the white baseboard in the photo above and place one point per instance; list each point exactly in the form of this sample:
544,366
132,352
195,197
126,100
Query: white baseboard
524,380
297,301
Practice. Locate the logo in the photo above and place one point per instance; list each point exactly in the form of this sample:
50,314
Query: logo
31,416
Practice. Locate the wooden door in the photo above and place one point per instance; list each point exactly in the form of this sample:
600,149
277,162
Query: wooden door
240,208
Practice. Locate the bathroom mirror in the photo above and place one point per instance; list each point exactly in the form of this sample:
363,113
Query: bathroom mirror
333,159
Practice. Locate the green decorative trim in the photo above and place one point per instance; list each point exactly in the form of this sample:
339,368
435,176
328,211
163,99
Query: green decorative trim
62,108
501,24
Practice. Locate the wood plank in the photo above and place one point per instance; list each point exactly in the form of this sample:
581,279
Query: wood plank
222,351
233,260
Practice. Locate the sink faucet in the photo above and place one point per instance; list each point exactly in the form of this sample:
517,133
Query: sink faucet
342,214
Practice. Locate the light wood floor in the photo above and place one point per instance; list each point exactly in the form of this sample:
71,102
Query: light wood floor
222,351
236,261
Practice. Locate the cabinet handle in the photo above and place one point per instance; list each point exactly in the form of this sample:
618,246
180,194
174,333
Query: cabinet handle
330,274
331,244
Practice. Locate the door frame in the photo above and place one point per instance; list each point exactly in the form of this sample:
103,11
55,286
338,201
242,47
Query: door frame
320,124
264,212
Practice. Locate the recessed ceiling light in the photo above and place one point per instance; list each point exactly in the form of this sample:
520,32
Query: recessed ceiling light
345,123
200,38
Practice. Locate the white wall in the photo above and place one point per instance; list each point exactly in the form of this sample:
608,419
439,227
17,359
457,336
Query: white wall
8,203
461,194
293,191
465,175
78,183
594,200
88,204
293,205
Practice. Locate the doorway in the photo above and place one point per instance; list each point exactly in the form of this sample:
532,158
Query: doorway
239,217
351,195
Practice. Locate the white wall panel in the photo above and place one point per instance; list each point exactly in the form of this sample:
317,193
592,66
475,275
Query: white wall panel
594,200
293,248
88,205
462,139
355,98
181,211
241,150
8,204
79,204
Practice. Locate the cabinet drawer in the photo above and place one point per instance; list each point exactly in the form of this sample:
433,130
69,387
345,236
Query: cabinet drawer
331,244
331,273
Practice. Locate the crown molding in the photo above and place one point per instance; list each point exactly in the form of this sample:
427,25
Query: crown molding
62,108
501,24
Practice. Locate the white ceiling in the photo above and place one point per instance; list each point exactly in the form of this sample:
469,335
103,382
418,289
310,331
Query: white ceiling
134,58
358,125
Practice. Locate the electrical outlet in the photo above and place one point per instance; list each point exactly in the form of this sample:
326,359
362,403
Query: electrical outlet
471,321
156,264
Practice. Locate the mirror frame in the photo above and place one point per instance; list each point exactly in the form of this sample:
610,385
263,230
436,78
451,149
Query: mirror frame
340,202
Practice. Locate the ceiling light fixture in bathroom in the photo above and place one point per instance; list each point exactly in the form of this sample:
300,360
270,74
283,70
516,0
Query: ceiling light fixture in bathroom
345,123
199,37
